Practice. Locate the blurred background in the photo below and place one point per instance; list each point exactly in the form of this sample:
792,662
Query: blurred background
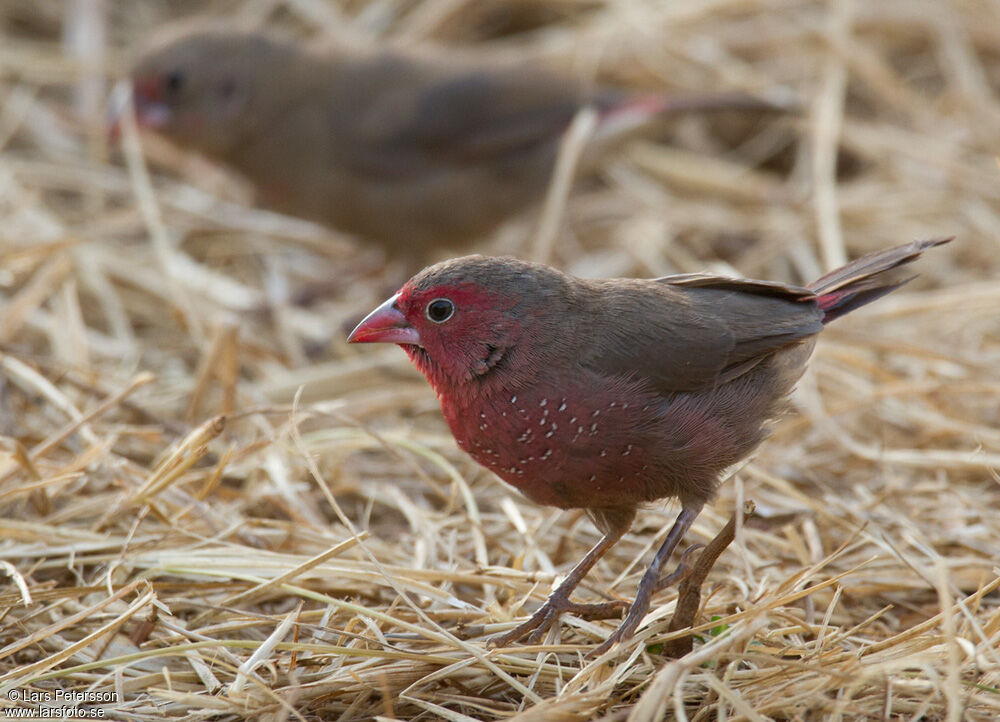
144,292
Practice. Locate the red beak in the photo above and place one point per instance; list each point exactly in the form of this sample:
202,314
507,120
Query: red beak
386,324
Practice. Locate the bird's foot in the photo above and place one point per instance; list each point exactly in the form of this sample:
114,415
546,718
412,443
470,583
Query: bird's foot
642,601
684,568
548,614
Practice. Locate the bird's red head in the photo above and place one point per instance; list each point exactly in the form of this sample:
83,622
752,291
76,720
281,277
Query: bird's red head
471,319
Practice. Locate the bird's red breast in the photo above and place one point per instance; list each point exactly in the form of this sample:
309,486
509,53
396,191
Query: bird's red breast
578,441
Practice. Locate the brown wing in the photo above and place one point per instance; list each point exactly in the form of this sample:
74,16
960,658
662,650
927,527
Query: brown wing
691,332
436,116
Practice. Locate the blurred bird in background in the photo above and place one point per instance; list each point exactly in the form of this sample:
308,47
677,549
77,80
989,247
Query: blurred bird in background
409,149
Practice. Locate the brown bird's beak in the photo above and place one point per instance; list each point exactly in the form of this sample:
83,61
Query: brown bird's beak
150,112
386,324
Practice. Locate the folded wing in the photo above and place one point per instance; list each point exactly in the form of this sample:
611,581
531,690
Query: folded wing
697,331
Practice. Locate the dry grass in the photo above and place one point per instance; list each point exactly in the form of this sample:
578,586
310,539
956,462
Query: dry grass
182,527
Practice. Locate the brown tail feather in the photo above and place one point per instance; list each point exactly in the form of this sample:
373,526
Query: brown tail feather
866,279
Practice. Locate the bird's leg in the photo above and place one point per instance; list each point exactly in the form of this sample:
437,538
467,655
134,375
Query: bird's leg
683,570
651,580
558,601
689,593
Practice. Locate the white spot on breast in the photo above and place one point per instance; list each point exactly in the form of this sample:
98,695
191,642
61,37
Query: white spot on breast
513,399
573,420
604,452
593,477
562,406
543,402
547,454
596,413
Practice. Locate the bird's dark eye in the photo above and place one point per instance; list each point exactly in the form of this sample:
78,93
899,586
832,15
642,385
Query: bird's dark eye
440,310
227,88
174,81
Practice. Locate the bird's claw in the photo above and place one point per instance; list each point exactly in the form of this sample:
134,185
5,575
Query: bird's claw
542,620
625,630
548,614
640,607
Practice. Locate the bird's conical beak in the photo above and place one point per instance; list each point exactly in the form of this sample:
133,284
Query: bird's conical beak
150,111
386,324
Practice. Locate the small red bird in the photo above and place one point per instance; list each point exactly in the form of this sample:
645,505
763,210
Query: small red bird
604,395
409,149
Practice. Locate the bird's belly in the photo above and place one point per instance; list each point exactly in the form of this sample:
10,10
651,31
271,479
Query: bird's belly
574,451
439,208
432,208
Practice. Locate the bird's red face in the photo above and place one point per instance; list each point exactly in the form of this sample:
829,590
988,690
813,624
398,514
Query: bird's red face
454,333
